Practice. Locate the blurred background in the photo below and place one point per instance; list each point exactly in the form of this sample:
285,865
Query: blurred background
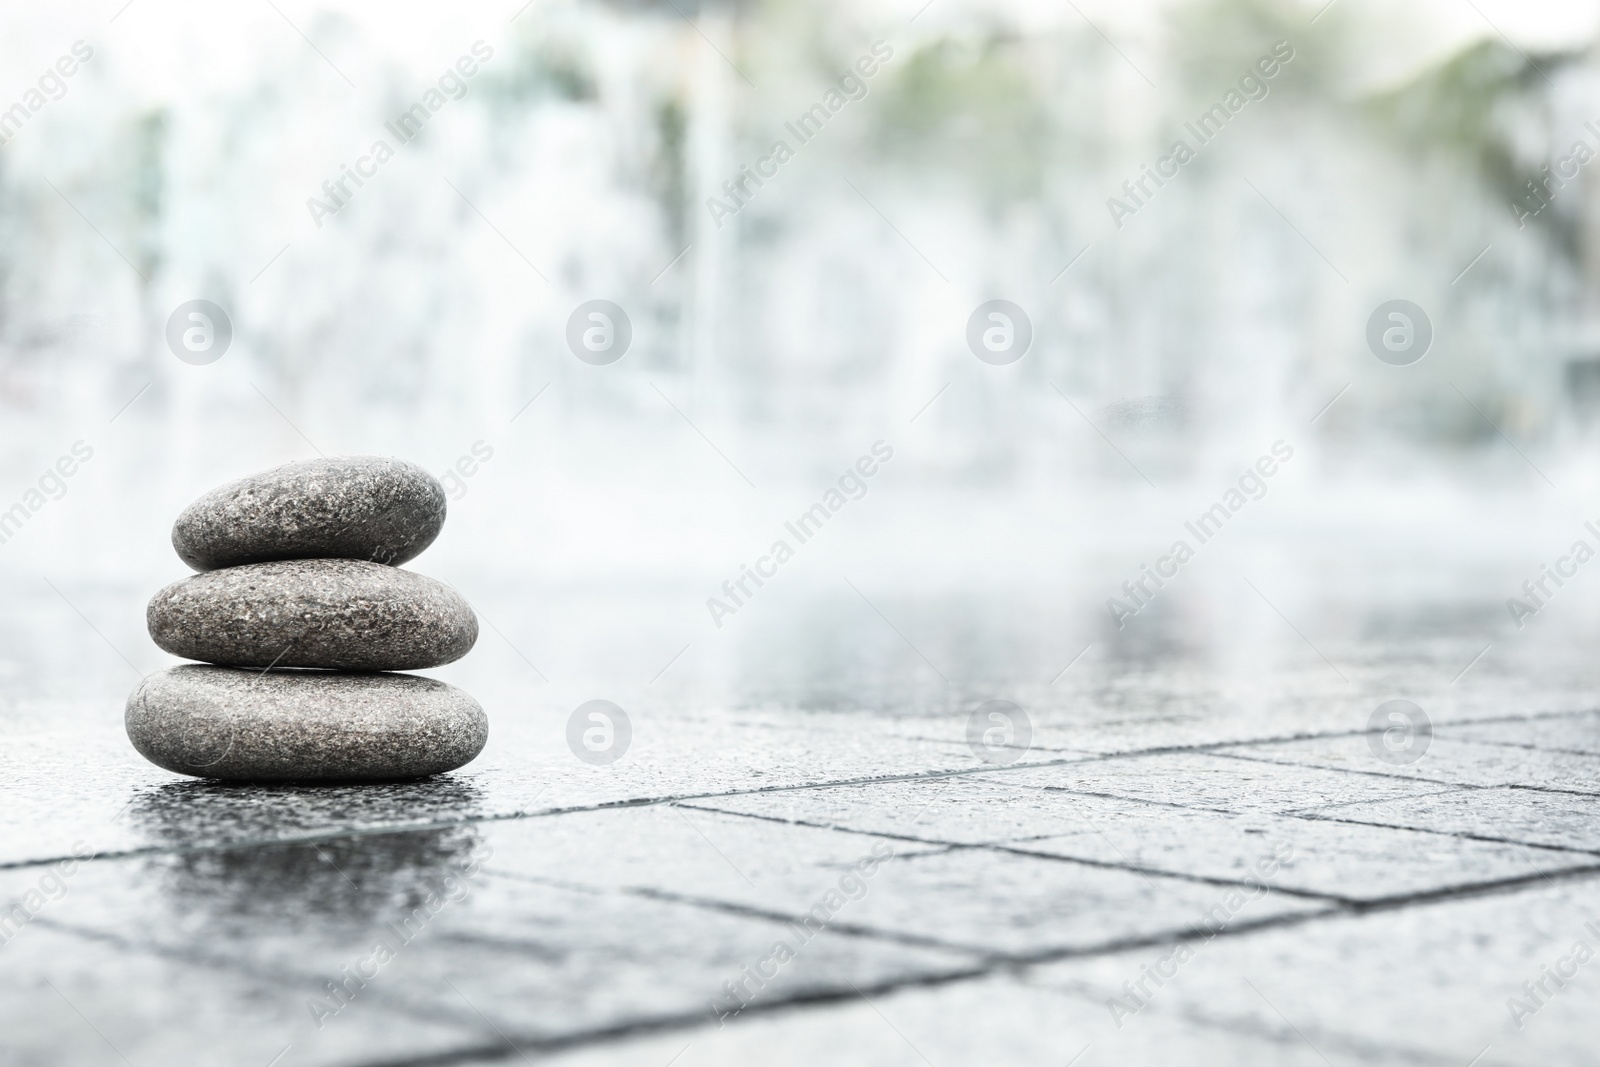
778,331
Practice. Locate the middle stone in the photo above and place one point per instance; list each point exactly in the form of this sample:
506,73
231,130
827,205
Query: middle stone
343,614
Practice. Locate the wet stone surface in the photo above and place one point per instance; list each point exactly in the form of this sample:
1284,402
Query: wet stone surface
347,507
804,868
335,613
266,726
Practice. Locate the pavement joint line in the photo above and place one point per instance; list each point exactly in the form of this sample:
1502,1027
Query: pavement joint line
798,1002
1493,887
1317,810
1340,770
825,996
1526,787
1524,745
282,976
1316,814
343,833
547,1043
1463,834
1355,903
1000,846
1414,777
1342,910
749,911
1449,787
1360,1051
1304,814
335,833
1208,746
663,1023
1291,812
1182,876
338,833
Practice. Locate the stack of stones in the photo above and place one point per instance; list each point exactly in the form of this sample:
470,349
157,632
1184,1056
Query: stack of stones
300,607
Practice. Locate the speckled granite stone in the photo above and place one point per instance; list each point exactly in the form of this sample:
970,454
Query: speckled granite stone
302,726
342,614
346,507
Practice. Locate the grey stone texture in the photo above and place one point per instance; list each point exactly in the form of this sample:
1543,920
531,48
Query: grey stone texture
347,507
1321,857
305,726
342,614
146,915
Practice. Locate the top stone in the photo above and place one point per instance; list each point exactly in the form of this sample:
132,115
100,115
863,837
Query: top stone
345,507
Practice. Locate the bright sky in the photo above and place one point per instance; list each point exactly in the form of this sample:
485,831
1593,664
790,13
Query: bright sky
165,48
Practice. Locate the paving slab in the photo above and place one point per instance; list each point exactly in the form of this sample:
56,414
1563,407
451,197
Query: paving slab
1100,709
1440,983
90,785
1337,860
399,924
1556,733
1001,1019
620,913
969,900
1332,859
688,850
103,998
1525,816
1027,906
951,809
1217,782
550,964
1445,760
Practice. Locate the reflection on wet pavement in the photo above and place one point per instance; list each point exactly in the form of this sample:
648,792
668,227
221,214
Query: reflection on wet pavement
609,903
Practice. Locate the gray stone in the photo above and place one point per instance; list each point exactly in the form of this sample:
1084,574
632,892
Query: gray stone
345,507
302,726
342,614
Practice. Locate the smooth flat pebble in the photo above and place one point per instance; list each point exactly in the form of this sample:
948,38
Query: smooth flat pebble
341,614
302,726
344,507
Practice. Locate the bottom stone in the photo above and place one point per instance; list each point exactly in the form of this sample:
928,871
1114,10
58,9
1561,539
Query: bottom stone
302,726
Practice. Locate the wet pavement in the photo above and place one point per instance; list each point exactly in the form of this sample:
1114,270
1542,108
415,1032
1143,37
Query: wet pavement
808,852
